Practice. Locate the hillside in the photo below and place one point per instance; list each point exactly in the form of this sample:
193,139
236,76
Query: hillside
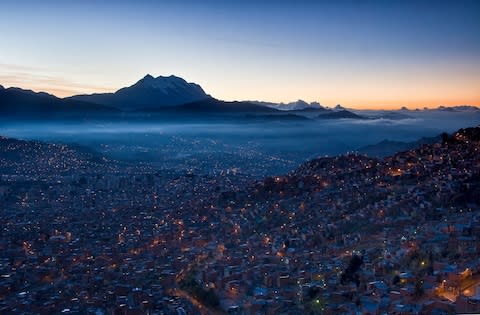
37,159
20,104
410,215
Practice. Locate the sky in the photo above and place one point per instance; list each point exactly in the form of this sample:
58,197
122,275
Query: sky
361,54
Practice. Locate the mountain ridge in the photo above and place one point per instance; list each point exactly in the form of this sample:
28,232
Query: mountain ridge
175,94
30,104
149,92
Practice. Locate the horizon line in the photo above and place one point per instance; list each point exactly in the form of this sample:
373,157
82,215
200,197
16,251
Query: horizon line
63,93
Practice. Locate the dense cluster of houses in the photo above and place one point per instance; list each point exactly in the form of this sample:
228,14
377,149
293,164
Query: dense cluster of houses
341,235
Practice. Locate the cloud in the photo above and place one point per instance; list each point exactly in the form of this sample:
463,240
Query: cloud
35,78
386,121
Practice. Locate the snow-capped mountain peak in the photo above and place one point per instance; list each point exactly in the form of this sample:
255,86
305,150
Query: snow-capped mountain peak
150,92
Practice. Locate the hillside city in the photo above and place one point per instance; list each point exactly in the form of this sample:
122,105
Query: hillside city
81,233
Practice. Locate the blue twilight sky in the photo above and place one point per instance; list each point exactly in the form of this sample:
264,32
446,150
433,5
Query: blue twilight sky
357,53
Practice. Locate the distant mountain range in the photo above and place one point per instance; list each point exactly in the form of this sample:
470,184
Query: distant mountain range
458,108
172,95
340,114
25,103
161,95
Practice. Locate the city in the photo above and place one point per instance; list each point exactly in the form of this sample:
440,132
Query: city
239,157
336,235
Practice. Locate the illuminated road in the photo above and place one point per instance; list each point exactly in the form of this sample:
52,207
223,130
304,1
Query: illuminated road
183,294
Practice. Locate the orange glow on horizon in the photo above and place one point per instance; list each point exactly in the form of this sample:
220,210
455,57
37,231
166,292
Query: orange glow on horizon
412,105
56,86
66,91
363,96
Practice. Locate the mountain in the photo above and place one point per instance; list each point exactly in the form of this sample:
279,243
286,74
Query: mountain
311,109
297,105
277,117
212,105
340,114
149,92
465,108
38,105
389,147
29,104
